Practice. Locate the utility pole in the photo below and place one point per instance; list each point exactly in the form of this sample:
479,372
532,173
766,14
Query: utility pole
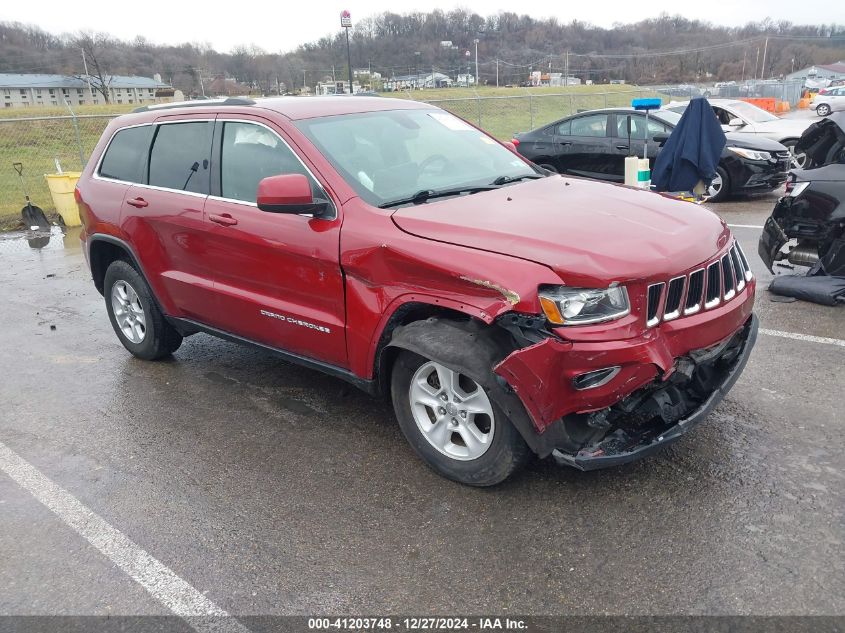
763,68
199,75
756,62
497,72
303,80
566,70
743,65
87,76
346,23
475,41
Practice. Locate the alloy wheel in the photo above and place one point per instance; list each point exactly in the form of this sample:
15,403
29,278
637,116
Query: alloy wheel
715,187
128,312
452,412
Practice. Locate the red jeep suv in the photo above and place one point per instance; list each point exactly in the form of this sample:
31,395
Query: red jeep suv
389,243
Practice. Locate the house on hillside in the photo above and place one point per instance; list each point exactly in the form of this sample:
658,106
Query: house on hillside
27,90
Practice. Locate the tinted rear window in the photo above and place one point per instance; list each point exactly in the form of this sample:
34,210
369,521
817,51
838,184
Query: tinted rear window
124,158
180,156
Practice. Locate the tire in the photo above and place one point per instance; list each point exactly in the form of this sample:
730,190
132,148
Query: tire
798,160
487,461
719,193
822,109
549,167
135,316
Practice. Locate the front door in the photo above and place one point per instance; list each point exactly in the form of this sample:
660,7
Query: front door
277,276
588,151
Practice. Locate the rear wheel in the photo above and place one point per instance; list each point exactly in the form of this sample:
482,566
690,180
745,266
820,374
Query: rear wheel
719,187
451,422
549,167
823,109
134,315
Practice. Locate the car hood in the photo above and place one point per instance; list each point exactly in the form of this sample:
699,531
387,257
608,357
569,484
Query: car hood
584,230
753,141
784,128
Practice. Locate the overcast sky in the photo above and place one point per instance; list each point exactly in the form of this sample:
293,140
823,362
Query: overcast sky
281,26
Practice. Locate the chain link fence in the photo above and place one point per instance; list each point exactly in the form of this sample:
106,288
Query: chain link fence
37,143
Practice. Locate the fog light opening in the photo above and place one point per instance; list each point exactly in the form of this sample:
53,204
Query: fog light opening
596,378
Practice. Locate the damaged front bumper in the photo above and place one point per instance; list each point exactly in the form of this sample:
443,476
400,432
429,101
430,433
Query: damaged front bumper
627,445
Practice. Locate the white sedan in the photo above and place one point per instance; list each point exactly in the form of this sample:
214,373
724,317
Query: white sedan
745,118
832,100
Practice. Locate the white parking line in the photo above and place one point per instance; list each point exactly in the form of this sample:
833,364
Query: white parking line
804,337
745,226
158,579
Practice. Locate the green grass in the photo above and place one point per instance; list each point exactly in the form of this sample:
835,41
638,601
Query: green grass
37,144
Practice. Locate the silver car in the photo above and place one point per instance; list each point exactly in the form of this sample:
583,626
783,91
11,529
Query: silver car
745,118
832,100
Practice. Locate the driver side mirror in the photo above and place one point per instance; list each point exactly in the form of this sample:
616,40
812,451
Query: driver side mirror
289,193
736,122
660,138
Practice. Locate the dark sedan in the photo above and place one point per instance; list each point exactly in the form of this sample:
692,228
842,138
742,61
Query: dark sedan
594,144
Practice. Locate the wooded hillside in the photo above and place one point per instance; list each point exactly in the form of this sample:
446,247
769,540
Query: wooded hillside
392,44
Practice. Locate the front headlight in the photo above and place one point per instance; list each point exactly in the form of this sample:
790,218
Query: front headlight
750,154
579,306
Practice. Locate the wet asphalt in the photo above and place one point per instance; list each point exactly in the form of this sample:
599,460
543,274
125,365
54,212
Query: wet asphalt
276,490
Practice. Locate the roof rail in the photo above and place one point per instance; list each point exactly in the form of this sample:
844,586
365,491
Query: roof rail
228,101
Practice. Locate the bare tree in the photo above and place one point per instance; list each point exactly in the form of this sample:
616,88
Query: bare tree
93,46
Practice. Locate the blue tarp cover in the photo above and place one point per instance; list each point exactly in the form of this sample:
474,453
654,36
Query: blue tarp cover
692,151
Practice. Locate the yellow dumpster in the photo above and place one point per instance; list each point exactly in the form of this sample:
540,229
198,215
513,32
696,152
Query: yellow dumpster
61,189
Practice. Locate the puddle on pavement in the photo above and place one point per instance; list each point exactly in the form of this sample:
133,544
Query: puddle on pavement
57,238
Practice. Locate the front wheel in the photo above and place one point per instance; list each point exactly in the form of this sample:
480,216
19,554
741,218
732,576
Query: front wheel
823,109
719,186
451,422
798,158
135,316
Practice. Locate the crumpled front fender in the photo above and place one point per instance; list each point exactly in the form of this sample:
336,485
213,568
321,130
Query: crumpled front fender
542,374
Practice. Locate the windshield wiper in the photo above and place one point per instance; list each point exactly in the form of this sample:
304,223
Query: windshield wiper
429,194
504,180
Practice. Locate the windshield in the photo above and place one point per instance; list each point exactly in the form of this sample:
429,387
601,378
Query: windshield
751,112
392,155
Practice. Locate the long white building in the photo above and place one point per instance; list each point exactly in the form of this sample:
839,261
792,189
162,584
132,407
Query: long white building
23,91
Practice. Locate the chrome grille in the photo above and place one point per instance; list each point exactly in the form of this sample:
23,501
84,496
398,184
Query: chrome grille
728,282
713,293
702,289
674,294
739,271
655,291
695,292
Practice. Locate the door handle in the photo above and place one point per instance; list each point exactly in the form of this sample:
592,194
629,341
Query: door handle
621,147
564,142
224,219
138,203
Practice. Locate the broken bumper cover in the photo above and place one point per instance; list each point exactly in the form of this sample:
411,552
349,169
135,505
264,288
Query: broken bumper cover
607,453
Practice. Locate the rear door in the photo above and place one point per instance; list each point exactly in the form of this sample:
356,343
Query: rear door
164,215
277,276
622,148
588,148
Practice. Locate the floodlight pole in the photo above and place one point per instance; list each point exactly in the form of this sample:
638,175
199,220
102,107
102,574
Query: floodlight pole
346,23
